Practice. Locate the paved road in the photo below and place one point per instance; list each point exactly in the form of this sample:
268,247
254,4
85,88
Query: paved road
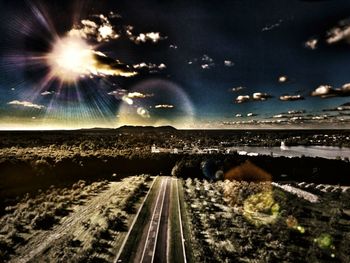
156,235
158,221
162,246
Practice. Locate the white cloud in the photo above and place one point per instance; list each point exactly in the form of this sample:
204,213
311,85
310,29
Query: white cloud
242,98
272,26
46,93
128,100
339,33
283,79
164,106
311,43
259,96
26,104
291,97
326,91
251,114
138,95
101,31
152,66
153,37
144,113
237,89
229,63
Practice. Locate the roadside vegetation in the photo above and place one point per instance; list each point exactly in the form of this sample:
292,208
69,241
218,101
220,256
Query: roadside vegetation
52,210
233,221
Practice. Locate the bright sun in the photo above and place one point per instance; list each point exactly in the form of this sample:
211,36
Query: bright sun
70,59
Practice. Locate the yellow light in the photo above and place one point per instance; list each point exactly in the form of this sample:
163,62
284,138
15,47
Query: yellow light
70,58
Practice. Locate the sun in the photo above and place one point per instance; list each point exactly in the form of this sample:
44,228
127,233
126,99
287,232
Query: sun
70,59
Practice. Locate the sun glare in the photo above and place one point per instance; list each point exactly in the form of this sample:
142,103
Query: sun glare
70,58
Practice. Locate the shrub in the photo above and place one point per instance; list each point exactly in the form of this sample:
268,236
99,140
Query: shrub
43,221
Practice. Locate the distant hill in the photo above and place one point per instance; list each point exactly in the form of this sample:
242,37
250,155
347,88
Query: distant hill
127,128
345,104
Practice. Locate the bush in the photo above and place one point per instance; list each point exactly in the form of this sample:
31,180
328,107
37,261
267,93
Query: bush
117,222
43,221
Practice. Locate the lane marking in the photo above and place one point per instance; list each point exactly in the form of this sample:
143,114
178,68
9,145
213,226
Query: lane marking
150,226
180,219
133,222
160,217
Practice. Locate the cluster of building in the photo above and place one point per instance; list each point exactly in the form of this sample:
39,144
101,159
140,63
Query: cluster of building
198,150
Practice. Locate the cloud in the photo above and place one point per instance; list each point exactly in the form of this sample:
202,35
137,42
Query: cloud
272,26
259,96
242,98
127,100
238,115
312,43
153,37
205,66
229,63
296,111
291,97
341,32
173,46
164,106
343,107
326,91
118,92
236,89
151,66
139,95
26,104
283,79
104,65
129,97
100,30
251,114
144,113
46,93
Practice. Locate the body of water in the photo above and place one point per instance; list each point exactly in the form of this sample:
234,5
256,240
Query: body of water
328,152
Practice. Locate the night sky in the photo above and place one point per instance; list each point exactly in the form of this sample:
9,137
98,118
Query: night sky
233,64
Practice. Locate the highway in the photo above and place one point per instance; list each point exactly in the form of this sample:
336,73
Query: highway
157,232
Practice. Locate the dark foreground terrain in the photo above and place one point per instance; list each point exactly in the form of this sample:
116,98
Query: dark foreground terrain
84,196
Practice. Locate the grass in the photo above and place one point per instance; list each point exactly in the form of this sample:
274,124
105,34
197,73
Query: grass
185,225
143,219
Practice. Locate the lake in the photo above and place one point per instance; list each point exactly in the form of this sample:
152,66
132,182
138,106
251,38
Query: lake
328,152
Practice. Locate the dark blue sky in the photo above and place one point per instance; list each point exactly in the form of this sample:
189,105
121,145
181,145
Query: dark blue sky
259,40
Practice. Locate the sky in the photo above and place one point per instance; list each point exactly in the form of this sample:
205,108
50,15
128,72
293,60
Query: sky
231,64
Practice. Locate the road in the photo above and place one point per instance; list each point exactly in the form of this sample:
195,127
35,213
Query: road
157,231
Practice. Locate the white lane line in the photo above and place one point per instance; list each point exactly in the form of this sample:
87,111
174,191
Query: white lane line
169,223
150,225
133,222
160,217
181,230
